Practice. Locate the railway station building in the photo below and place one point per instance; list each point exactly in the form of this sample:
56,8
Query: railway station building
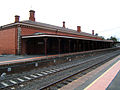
29,37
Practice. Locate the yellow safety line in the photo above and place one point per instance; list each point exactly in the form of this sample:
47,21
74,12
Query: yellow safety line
99,77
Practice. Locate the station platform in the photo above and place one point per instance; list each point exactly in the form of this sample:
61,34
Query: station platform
11,59
108,78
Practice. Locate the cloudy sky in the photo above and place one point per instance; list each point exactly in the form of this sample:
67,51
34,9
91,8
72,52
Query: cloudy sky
103,16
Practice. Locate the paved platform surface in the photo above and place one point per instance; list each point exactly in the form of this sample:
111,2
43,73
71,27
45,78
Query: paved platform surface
115,84
9,59
107,79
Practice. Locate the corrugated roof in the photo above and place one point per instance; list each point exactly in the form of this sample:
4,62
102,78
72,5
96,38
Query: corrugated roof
45,35
62,29
52,27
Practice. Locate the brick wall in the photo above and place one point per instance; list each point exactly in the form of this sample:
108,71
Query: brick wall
30,31
8,38
8,41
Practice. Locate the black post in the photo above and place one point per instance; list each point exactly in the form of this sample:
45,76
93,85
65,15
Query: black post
45,41
59,40
69,45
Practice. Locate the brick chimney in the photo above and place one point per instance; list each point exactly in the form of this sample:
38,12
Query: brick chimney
92,32
78,28
17,18
64,24
32,15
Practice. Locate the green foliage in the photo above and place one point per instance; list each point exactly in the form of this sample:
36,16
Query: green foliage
102,37
96,34
113,38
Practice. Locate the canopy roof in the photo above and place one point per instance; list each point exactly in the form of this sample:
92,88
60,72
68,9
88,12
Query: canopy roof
59,36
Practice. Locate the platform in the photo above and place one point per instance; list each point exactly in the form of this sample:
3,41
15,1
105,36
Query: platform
11,59
106,79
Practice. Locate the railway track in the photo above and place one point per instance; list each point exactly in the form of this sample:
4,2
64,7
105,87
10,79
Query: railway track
79,72
53,77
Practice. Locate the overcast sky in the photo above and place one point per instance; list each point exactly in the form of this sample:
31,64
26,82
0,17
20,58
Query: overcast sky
103,16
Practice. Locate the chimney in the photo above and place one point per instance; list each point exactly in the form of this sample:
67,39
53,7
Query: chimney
78,28
17,18
92,32
32,15
64,24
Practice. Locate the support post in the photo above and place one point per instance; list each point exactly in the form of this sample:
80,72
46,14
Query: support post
83,45
92,45
98,45
88,45
59,40
104,44
95,45
69,45
80,45
24,51
45,41
77,46
74,47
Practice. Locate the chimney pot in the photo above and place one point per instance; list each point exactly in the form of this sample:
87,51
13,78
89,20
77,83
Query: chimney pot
64,24
92,32
17,18
78,28
32,15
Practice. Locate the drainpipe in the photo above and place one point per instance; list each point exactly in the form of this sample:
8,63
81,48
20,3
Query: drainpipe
19,40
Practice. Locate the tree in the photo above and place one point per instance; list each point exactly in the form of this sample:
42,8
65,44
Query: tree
113,38
102,37
96,34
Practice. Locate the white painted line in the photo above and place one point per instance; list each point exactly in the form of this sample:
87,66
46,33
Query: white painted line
20,79
27,78
61,68
67,66
48,71
53,70
64,67
13,82
58,69
21,85
13,88
5,84
39,74
44,73
34,76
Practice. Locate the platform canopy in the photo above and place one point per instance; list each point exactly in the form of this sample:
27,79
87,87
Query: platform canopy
61,36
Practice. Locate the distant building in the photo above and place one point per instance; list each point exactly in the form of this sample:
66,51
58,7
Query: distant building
31,37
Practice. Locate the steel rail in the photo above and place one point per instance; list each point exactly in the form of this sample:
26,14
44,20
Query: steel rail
57,81
74,65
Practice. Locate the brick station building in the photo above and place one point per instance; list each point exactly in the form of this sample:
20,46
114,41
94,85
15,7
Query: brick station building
34,38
